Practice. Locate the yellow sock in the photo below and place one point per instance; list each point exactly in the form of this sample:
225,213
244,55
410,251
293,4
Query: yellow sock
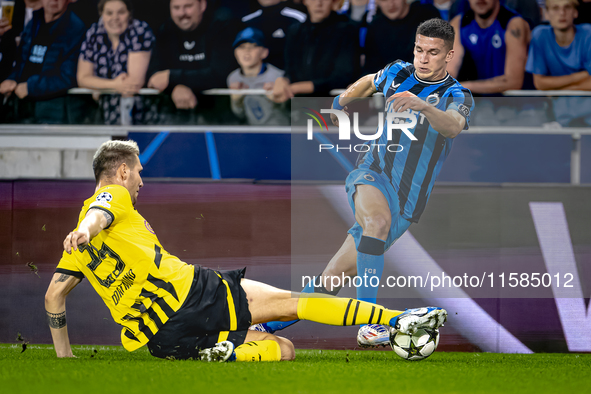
258,351
342,311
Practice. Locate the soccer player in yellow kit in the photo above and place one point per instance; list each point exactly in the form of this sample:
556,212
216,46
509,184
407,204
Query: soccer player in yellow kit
179,310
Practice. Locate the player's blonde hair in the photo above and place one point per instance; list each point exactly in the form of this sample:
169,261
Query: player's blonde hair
111,154
575,3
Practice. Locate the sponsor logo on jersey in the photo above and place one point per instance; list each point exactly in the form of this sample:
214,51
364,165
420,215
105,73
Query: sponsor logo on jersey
368,177
189,45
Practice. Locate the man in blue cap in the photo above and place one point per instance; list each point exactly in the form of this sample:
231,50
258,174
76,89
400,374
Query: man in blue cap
254,73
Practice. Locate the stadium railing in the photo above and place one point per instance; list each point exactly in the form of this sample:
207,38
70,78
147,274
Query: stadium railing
16,136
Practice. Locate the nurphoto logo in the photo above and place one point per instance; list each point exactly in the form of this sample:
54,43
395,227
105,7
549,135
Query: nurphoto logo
403,121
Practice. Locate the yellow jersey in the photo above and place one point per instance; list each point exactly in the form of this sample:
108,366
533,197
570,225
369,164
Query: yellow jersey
141,283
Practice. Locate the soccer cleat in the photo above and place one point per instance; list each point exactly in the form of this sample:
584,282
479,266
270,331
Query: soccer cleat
373,335
413,319
262,327
221,352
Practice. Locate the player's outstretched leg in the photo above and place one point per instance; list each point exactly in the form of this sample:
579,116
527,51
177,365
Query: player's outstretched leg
347,311
267,303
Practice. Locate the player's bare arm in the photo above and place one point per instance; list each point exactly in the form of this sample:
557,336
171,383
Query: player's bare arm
363,87
96,220
516,39
55,309
447,123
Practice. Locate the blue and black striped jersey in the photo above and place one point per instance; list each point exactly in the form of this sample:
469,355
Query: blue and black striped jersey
413,165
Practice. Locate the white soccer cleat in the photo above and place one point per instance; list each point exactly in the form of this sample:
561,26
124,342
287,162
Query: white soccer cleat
261,327
373,335
413,319
221,352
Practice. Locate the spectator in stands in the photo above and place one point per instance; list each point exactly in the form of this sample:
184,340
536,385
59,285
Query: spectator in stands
358,10
387,34
528,9
321,54
46,61
192,54
443,6
274,19
254,73
115,56
560,54
560,58
490,47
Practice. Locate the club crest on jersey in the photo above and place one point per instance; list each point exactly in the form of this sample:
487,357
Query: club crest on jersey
433,99
496,41
148,227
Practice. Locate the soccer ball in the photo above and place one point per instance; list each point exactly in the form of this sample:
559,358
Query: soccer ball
415,347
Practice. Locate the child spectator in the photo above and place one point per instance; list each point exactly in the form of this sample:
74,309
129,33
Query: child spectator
250,51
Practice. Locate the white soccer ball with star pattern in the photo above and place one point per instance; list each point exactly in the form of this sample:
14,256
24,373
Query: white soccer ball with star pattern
415,347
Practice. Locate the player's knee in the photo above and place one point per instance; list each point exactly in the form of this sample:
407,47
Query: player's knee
377,225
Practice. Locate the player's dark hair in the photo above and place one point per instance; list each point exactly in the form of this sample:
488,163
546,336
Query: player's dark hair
101,6
438,28
111,155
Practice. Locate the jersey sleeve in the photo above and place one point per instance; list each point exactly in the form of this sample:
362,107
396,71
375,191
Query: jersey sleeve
67,265
461,101
113,200
536,63
379,80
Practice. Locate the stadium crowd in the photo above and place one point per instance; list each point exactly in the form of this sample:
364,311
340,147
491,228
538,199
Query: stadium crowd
184,47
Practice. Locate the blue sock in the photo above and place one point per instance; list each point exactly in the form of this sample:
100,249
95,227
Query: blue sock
370,262
273,326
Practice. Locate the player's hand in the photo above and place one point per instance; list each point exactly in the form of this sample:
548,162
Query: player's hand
406,100
159,80
8,86
183,97
21,90
4,26
74,239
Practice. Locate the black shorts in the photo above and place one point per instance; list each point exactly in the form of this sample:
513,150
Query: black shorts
209,315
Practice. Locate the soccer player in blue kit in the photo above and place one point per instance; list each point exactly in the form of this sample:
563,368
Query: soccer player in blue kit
389,188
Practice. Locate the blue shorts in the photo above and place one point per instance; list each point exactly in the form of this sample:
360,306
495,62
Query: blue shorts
368,177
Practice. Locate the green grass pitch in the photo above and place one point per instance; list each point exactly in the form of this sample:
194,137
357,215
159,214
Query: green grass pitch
111,369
